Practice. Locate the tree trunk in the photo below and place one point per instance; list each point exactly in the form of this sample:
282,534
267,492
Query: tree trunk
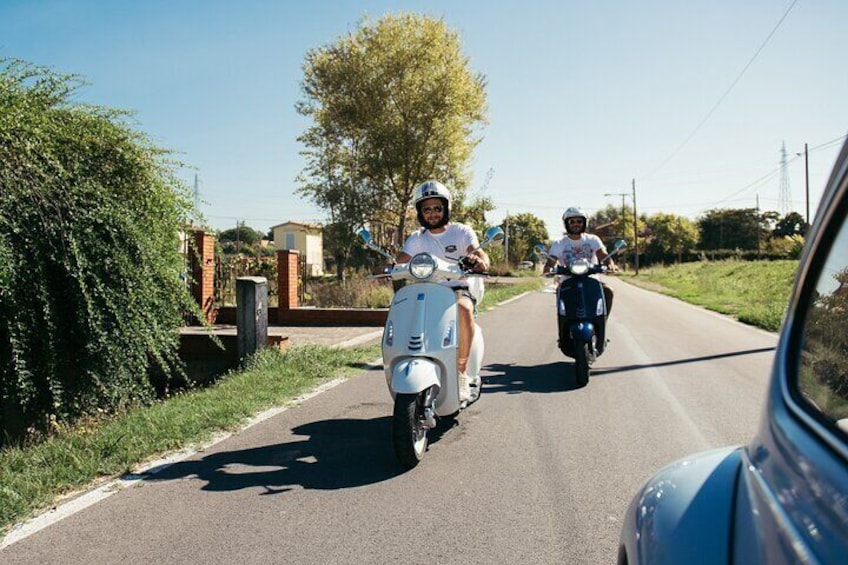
341,265
401,228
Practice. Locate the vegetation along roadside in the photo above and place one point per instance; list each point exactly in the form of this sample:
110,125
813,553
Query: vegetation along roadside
36,476
754,292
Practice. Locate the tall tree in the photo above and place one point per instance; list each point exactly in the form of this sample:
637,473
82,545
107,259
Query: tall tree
525,231
671,234
242,234
613,222
393,104
791,224
735,228
472,211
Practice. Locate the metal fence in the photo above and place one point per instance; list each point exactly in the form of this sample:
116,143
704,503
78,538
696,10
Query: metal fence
229,267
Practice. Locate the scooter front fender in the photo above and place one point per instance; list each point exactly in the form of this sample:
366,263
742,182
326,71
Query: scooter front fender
411,376
582,331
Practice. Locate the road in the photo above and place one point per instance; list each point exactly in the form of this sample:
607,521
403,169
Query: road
537,471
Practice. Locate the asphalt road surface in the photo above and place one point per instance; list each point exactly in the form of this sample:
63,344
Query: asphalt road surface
537,471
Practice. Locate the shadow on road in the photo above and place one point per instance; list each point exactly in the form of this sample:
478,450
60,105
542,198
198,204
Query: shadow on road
625,368
513,379
337,454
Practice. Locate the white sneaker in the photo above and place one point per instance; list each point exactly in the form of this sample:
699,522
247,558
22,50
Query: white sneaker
464,387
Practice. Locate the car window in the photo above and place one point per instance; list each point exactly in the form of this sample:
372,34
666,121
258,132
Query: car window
823,379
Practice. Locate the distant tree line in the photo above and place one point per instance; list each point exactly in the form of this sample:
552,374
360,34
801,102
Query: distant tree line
719,233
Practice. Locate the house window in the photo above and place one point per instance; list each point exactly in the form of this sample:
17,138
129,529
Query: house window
289,240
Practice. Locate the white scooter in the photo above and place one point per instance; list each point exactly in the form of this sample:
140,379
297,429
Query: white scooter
420,342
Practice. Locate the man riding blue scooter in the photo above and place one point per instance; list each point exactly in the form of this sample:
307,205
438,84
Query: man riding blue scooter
582,307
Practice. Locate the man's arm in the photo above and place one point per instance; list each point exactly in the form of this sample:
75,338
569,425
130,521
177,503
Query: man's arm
550,264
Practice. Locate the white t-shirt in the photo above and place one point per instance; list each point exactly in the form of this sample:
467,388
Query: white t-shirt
587,247
450,245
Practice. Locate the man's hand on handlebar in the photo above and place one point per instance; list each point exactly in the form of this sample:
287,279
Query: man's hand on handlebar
469,262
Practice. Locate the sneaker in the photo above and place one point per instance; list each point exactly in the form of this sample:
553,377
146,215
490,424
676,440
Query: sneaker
475,385
464,387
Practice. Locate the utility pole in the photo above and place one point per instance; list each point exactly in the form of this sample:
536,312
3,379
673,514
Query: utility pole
807,181
635,231
506,240
758,226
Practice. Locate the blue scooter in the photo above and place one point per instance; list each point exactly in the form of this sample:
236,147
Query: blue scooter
581,311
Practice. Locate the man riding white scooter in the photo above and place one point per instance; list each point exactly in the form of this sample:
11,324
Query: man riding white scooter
450,241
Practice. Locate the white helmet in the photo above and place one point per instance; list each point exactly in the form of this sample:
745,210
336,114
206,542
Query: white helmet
574,212
432,189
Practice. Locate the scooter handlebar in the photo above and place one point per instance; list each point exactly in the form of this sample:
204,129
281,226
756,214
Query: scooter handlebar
566,270
443,271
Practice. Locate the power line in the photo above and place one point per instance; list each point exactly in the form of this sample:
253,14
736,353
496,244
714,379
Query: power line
723,96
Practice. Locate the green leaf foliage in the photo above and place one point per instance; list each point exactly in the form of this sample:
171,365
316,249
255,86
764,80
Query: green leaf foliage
90,289
393,104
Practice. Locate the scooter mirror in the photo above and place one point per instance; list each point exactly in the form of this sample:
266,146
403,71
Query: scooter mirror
620,244
540,250
494,234
364,235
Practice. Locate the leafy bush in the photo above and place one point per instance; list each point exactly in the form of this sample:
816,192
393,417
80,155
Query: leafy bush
90,289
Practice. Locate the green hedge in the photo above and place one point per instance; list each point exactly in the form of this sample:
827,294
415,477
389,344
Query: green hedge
90,288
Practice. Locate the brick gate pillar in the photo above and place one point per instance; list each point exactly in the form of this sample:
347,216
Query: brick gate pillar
203,273
288,275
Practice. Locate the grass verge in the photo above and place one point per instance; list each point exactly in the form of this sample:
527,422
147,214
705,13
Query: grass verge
33,477
755,292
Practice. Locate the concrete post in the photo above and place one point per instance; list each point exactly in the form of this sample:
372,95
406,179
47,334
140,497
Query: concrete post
251,314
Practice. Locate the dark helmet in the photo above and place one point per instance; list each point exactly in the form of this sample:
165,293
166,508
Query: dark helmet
574,212
432,189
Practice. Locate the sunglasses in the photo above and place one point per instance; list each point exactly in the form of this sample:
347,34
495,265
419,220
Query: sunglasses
428,209
574,220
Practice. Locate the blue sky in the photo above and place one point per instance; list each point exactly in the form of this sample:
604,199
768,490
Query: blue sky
583,97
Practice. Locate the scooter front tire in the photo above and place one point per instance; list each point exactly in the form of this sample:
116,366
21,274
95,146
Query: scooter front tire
581,362
409,434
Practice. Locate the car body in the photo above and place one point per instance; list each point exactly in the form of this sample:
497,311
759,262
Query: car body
782,498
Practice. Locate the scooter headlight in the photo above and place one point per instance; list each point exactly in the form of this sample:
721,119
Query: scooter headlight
422,266
579,267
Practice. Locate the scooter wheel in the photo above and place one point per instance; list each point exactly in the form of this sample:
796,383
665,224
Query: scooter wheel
581,362
409,434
